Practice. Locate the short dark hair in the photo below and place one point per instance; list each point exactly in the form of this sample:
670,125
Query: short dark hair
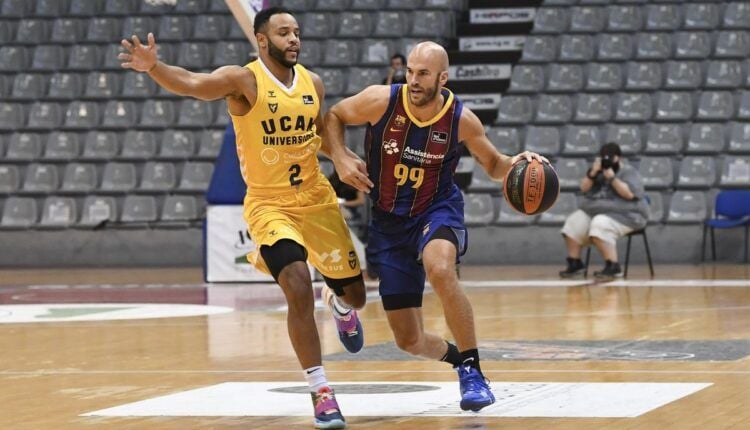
403,59
610,148
262,18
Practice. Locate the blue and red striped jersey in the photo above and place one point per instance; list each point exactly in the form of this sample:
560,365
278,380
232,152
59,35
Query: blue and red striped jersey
412,162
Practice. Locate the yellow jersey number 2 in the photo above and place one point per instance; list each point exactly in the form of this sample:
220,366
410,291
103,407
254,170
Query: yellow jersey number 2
403,173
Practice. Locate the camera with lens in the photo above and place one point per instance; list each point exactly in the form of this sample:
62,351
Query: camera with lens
608,161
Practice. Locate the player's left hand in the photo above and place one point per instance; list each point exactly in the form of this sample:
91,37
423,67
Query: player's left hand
528,156
352,170
609,174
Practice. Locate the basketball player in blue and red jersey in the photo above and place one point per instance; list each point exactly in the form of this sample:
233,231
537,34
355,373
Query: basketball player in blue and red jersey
290,207
413,142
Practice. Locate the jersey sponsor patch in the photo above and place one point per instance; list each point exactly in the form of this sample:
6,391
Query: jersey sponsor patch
308,99
439,137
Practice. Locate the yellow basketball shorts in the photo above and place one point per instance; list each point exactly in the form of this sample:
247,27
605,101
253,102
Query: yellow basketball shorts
310,217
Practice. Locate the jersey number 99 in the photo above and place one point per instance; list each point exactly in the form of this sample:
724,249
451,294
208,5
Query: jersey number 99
403,173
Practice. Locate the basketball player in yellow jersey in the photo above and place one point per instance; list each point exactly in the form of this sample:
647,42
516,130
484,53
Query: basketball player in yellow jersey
290,207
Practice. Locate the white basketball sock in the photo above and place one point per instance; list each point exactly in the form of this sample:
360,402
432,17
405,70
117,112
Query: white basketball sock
316,378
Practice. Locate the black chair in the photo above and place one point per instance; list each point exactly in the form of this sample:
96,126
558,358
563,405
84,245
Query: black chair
641,232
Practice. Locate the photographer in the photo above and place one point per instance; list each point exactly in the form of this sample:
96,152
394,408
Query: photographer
397,72
613,206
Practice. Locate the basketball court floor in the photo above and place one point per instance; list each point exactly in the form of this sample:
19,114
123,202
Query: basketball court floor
157,349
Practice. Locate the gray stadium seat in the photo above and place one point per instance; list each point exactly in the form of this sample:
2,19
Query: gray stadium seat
735,172
655,207
390,24
103,29
219,6
14,58
40,178
375,52
593,108
587,19
355,24
509,216
12,116
355,139
120,7
539,49
16,8
724,74
139,209
614,47
506,140
624,18
81,115
83,57
194,55
174,28
210,143
236,32
694,44
48,58
139,26
222,114
120,114
44,116
192,7
326,168
674,106
110,60
360,78
66,86
703,16
716,105
157,114
526,78
229,52
603,77
565,78
86,8
58,212
687,207
565,205
10,178
368,4
739,139
320,25
177,144
732,44
79,178
334,81
102,85
431,23
663,17
138,145
118,177
744,109
28,86
98,210
657,172
480,181
737,15
179,208
100,145
62,146
654,46
68,30
19,213
50,8
542,140
581,140
32,31
643,76
665,139
706,138
636,107
158,176
340,52
209,27
138,85
479,209
576,47
310,55
24,147
4,86
551,20
195,113
297,5
629,137
6,31
515,110
570,171
683,75
339,5
553,109
697,172
196,176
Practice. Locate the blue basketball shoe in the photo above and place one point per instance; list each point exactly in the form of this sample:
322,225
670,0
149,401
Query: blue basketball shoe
327,411
475,393
349,327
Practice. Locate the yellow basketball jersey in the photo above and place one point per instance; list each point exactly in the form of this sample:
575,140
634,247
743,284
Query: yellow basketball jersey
277,141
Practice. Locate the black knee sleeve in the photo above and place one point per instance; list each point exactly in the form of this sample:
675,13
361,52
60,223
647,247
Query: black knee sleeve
282,254
395,302
337,285
446,233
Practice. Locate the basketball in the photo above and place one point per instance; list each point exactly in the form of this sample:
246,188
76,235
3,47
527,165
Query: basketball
531,188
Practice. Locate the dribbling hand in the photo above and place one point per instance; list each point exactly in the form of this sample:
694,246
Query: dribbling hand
528,156
141,58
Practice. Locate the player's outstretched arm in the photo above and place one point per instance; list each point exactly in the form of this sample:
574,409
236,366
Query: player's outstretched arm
471,133
222,82
366,107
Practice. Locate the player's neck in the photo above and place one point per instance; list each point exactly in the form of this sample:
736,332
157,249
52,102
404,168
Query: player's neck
283,74
428,111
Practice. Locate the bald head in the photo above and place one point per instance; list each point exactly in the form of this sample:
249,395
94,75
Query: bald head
430,55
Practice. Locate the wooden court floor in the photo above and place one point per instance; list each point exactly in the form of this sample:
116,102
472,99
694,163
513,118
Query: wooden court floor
51,373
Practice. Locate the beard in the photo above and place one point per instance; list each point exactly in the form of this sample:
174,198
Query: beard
429,94
280,55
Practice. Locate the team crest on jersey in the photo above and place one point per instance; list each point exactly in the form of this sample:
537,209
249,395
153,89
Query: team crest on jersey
390,147
273,107
400,121
439,137
308,99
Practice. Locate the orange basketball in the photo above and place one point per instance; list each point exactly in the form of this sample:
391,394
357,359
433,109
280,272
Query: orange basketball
531,188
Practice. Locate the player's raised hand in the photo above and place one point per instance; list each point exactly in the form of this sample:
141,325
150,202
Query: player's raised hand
352,170
141,58
528,156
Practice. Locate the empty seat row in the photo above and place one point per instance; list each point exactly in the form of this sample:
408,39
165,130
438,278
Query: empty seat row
112,177
92,8
610,77
653,138
626,18
624,107
172,144
643,46
371,5
94,211
116,114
